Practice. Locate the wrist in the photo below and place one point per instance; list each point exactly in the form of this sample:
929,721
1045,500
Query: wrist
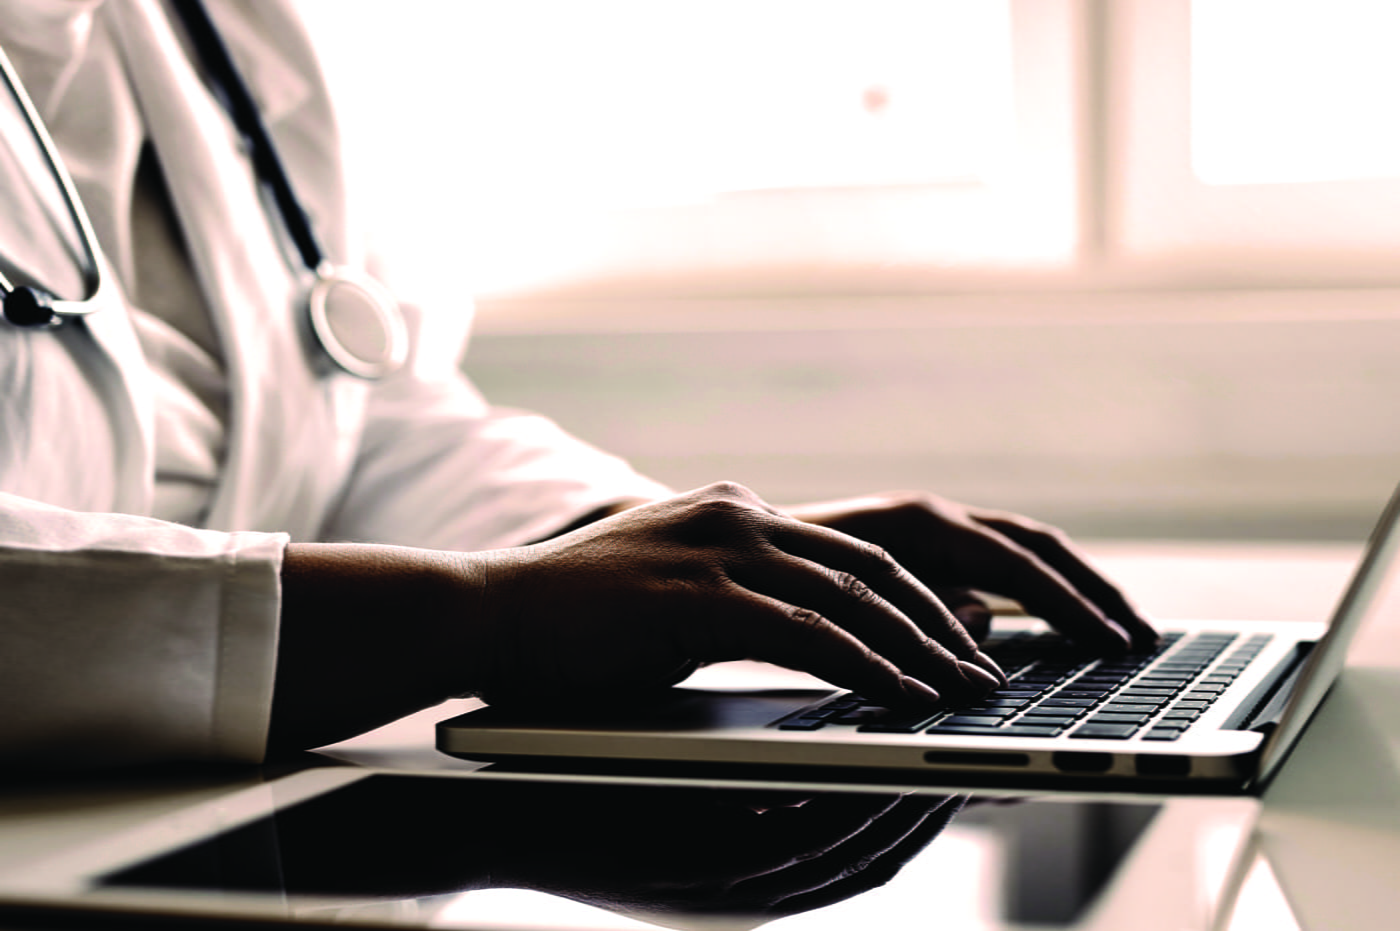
368,634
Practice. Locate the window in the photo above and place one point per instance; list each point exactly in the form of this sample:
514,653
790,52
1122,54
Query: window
559,141
685,148
1260,142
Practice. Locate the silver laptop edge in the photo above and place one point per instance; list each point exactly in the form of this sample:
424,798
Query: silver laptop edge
1372,577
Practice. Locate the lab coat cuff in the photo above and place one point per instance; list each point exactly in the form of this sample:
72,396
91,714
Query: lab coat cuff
251,601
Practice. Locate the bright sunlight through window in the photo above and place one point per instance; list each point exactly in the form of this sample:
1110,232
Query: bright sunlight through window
567,138
1287,91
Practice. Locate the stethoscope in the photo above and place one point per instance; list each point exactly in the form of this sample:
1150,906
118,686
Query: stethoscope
354,321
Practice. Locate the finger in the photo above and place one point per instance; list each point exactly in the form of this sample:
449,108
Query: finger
864,860
777,838
1056,551
846,601
991,561
755,626
886,578
972,612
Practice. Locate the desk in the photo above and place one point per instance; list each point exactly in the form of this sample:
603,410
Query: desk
1330,829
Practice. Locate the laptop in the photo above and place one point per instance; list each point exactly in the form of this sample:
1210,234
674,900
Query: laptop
1217,707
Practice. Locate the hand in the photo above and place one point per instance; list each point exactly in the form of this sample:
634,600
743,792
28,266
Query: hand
672,855
639,599
683,857
953,548
370,633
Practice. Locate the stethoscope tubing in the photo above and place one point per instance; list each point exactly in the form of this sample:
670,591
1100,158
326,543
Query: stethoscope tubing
34,307
355,321
232,91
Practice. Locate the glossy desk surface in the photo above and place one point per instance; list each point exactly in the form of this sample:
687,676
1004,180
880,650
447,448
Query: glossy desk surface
1330,828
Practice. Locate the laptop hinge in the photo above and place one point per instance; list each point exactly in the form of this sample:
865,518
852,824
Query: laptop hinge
1263,708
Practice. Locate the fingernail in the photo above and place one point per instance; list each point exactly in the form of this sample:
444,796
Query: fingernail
1125,642
918,691
989,664
976,675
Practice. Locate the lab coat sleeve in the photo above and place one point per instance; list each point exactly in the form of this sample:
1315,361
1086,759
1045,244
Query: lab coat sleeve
128,639
440,467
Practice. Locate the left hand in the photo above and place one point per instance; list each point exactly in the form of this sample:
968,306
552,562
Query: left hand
953,548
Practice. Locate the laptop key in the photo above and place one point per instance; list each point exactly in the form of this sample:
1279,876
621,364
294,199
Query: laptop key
1140,701
1104,731
1082,693
977,719
1114,707
1009,730
1054,712
1171,725
1009,704
1095,682
900,723
802,724
999,715
1119,719
1162,733
1045,720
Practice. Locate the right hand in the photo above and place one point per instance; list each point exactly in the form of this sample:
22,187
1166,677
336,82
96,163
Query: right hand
641,598
370,633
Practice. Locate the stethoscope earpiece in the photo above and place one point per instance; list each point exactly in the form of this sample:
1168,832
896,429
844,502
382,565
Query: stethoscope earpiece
30,308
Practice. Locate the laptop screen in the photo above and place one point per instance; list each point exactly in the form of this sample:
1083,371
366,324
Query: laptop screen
1371,594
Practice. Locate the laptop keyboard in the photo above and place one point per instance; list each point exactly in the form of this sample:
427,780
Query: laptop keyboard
1056,690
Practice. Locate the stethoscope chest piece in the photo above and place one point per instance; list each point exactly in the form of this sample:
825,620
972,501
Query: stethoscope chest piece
358,324
30,308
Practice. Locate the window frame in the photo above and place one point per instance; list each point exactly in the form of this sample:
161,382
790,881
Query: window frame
1166,225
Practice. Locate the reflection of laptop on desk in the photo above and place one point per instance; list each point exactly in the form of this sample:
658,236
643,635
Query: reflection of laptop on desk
1218,705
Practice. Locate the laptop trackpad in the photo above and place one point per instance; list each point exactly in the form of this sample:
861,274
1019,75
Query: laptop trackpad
676,709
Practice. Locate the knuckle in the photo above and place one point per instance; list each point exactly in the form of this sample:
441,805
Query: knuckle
852,586
805,622
879,562
725,514
917,505
804,617
719,513
728,489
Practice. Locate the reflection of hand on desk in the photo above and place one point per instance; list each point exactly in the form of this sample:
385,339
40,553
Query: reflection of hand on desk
633,849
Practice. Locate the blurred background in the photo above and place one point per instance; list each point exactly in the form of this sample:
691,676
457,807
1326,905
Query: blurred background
1131,266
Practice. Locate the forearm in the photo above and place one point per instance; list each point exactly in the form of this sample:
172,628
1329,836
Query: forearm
368,634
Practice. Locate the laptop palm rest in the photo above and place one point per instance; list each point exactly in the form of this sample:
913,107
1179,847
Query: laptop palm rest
675,709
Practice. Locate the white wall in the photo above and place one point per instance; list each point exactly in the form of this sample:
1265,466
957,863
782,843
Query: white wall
1191,415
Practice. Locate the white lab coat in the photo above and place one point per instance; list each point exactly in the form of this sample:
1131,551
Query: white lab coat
123,637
